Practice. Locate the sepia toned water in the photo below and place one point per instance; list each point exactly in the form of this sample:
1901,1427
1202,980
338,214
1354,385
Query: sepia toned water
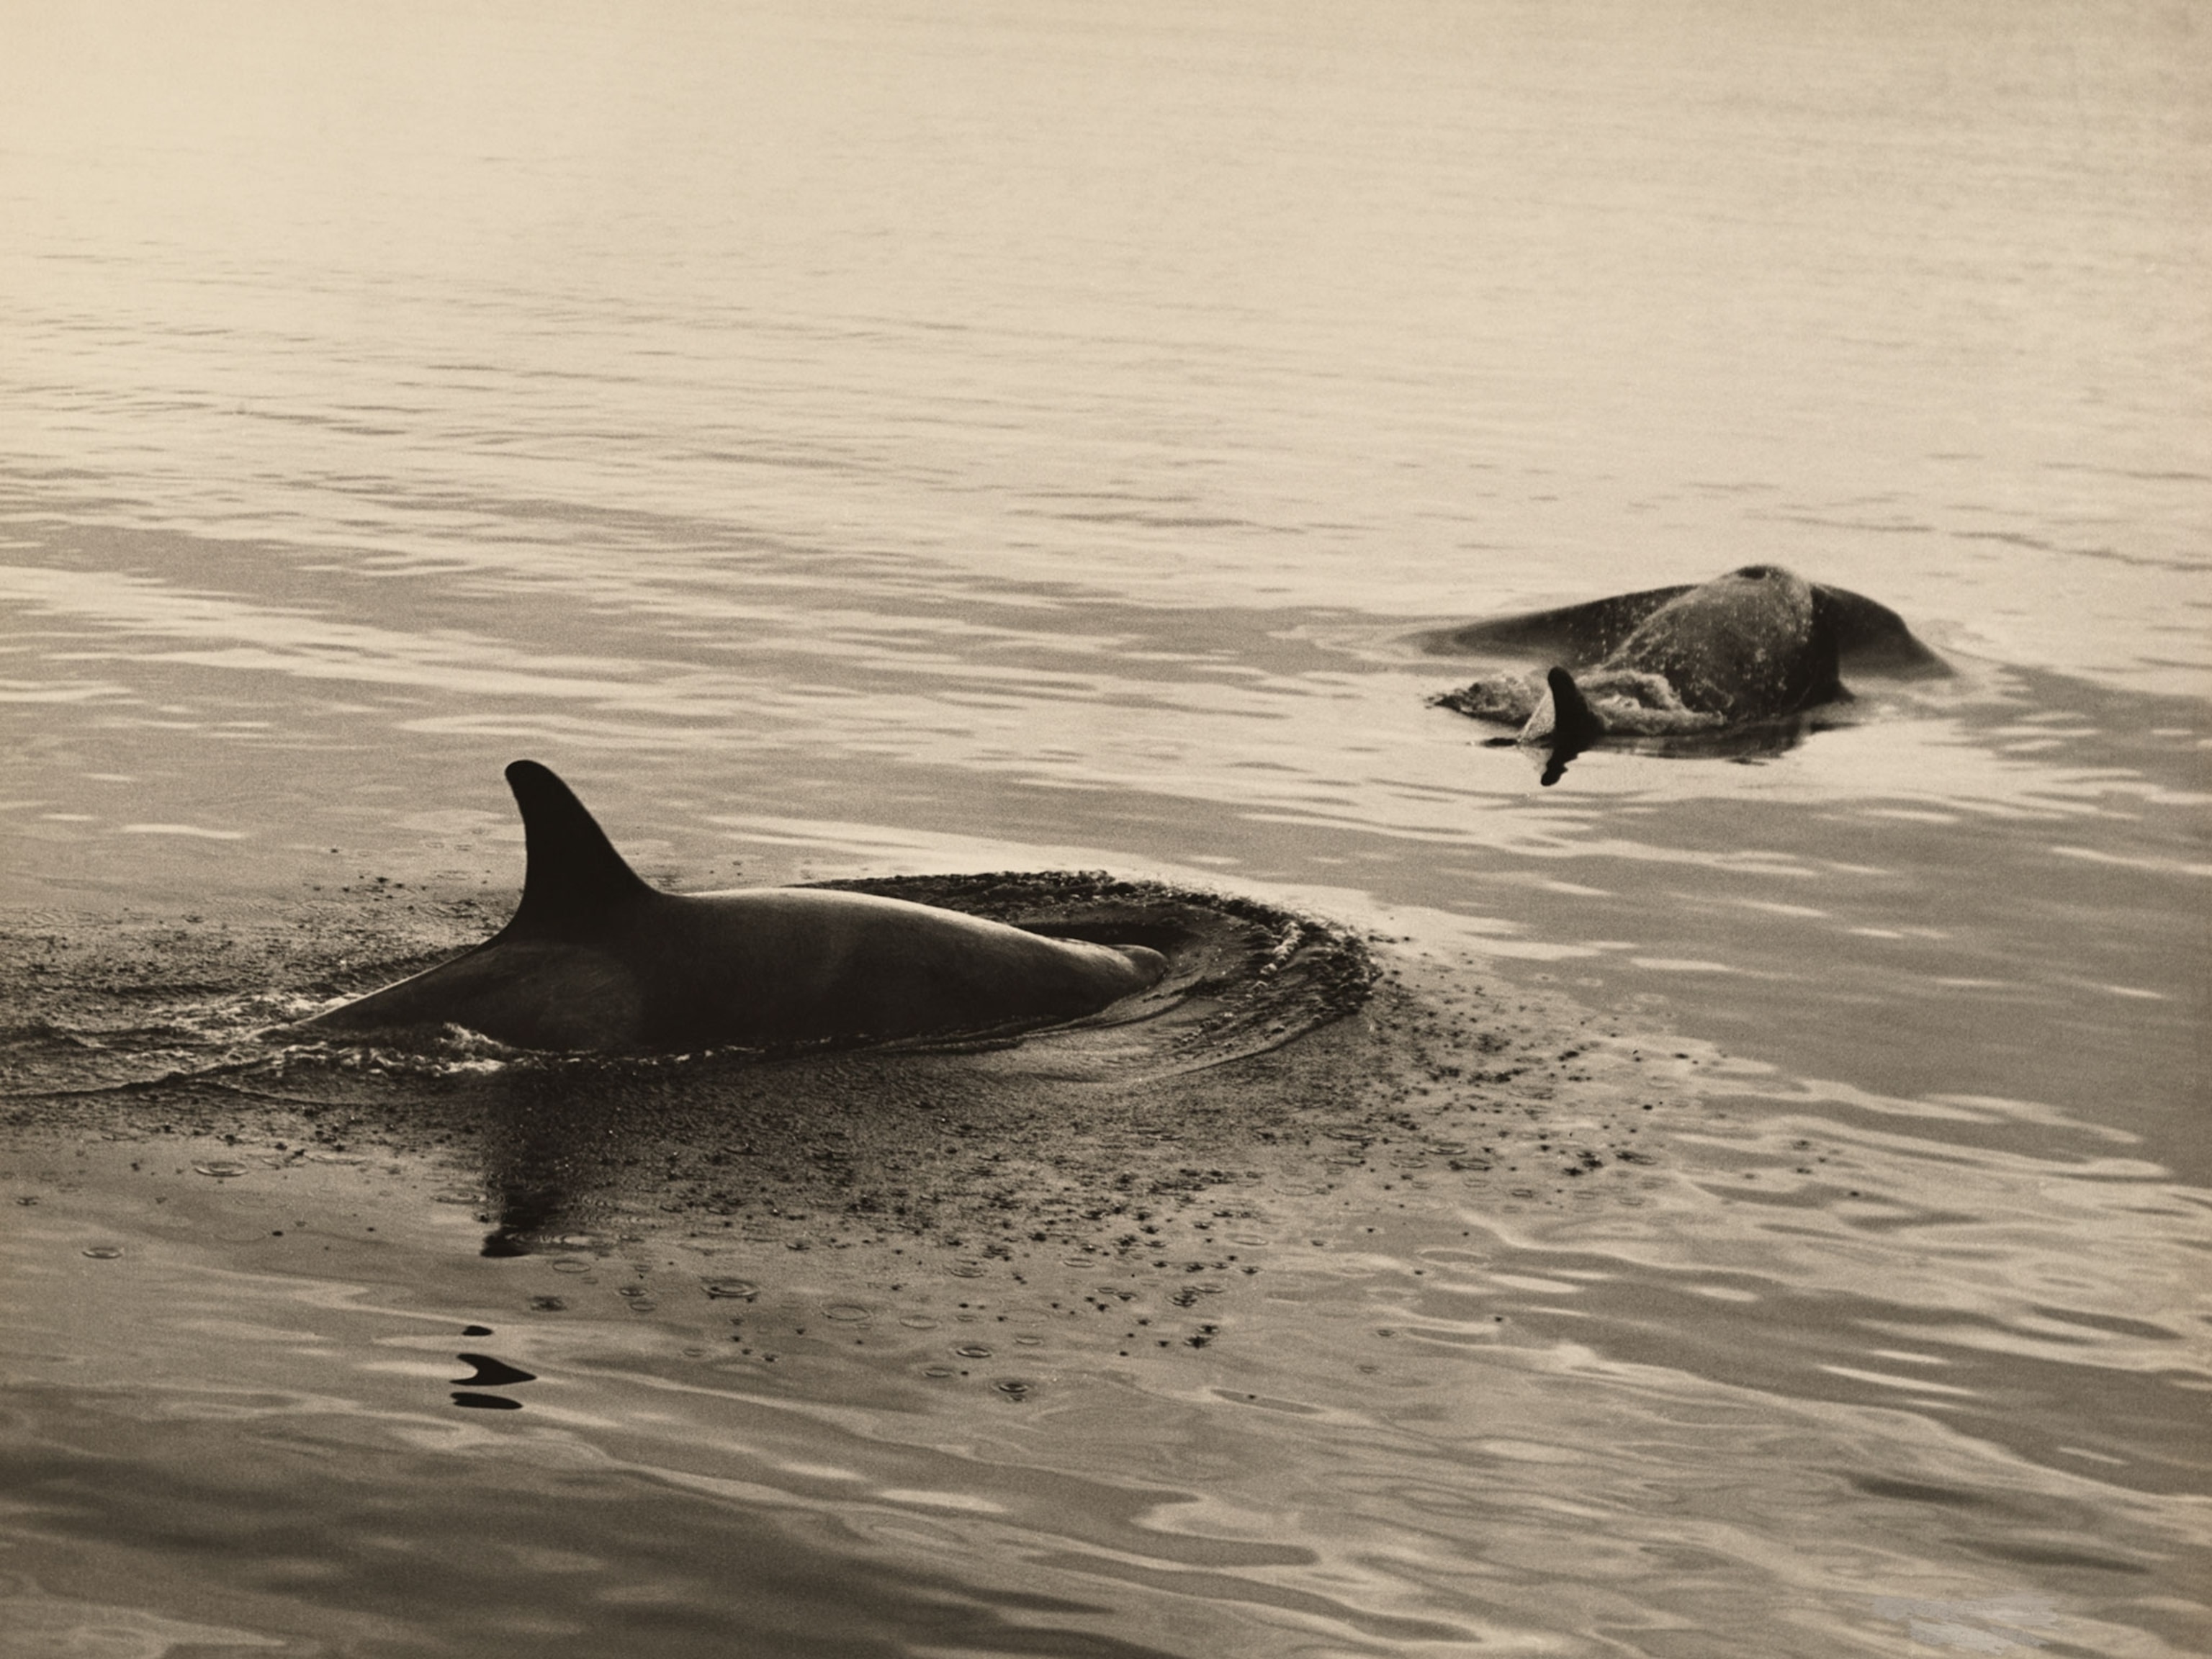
1762,1207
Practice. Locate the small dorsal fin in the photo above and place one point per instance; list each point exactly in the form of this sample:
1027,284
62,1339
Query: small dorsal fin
573,874
1574,726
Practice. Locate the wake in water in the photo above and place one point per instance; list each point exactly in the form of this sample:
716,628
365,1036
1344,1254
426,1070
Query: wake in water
1275,1050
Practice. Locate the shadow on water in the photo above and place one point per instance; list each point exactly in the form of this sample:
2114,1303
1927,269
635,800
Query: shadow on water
563,1136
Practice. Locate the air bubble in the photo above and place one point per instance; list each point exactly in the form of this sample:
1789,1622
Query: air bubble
103,1252
222,1169
973,1350
730,1290
847,1313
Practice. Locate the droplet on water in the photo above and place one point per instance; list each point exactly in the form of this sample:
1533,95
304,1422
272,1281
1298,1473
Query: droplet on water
103,1252
730,1290
222,1169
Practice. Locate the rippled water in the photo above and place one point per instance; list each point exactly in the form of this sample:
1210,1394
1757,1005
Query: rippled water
1761,1208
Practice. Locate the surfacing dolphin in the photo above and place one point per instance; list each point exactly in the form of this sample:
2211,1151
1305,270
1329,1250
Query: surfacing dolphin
595,959
1757,645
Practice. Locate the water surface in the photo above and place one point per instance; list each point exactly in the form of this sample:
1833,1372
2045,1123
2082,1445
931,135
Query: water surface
892,442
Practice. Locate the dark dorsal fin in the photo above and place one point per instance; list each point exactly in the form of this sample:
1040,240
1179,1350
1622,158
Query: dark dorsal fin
574,875
1575,727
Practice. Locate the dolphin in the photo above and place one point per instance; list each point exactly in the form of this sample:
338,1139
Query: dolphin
1757,644
595,959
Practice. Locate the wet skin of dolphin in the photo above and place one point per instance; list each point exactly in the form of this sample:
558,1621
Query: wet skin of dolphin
595,959
1756,645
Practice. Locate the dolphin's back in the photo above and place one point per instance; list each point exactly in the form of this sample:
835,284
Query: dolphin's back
784,965
1868,635
595,958
1746,646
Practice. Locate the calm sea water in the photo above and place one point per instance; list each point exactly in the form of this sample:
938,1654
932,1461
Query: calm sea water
874,439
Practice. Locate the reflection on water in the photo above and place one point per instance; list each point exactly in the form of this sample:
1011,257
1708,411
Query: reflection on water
889,442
